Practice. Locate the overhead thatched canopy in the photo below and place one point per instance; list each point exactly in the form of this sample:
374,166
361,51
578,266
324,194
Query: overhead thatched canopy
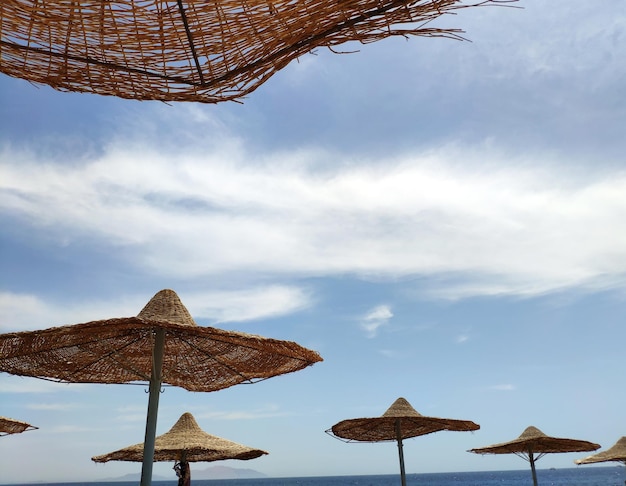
193,50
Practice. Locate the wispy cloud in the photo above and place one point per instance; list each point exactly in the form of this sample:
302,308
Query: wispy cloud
375,318
71,429
503,387
390,353
57,407
14,384
131,414
29,312
264,412
249,304
492,229
462,338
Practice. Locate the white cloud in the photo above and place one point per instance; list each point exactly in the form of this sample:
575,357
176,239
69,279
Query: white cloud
28,312
57,407
494,224
461,338
503,387
248,304
71,429
375,318
390,353
260,413
17,384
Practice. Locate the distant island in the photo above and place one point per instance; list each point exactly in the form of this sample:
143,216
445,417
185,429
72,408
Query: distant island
212,472
224,472
132,477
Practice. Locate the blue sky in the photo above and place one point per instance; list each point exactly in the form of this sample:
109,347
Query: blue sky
442,221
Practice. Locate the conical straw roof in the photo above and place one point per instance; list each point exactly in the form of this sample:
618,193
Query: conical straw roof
534,440
120,350
193,50
617,453
186,441
385,428
12,426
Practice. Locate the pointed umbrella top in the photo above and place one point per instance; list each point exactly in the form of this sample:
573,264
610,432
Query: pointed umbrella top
401,408
12,426
166,306
185,441
617,453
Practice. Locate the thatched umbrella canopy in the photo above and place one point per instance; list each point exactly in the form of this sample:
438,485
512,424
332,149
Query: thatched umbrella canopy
193,50
185,442
533,444
162,345
12,426
400,421
617,453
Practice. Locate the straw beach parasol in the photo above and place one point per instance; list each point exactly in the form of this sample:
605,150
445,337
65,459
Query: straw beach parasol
617,453
162,345
193,50
11,426
533,444
185,442
400,421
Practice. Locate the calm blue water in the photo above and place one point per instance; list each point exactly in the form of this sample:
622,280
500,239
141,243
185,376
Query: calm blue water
580,476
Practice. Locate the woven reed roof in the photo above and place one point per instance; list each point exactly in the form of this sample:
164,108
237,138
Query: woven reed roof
535,441
12,426
120,351
193,50
617,453
383,428
186,441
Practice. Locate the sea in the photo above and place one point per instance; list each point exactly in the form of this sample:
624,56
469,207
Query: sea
578,476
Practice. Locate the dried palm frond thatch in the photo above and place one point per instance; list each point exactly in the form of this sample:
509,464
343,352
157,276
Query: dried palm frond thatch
193,50
11,426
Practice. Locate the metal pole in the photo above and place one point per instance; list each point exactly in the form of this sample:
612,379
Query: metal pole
400,452
153,407
531,459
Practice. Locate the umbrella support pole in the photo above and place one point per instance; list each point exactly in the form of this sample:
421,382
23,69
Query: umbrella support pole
400,453
153,407
531,459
